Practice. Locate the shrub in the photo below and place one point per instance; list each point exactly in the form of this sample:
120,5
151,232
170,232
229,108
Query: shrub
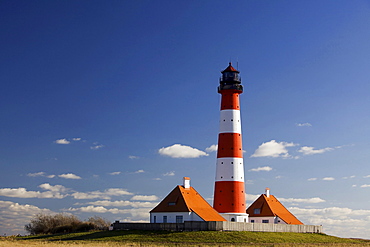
64,223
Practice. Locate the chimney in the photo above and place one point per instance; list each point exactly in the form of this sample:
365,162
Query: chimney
267,192
186,183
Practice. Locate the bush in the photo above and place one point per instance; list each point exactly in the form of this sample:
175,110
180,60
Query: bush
64,223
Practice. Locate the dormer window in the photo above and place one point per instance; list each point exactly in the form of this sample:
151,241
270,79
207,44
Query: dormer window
171,203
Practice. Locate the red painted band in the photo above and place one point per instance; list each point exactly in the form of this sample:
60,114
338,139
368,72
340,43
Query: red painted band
229,197
229,145
230,100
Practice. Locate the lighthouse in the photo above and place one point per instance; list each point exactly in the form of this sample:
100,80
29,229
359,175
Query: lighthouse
229,193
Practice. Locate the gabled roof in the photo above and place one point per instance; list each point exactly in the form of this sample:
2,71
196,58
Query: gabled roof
269,207
187,200
230,69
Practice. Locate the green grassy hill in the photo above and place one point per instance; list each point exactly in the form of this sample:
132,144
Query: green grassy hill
201,237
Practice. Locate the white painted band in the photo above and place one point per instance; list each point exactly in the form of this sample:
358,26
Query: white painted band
230,121
230,169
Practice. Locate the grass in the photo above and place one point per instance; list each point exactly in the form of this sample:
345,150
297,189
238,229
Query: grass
165,238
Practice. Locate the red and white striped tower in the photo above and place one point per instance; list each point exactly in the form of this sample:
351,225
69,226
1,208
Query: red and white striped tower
229,194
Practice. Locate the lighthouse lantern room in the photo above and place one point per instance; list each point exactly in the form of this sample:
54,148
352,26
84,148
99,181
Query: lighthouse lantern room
229,193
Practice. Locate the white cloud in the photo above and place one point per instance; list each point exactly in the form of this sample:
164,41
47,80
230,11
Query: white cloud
344,222
139,171
62,141
114,173
36,174
328,179
353,176
107,194
303,124
96,147
312,179
365,186
212,148
138,213
157,179
258,169
55,188
76,139
132,157
310,150
274,149
69,176
24,193
144,198
13,216
171,173
181,151
368,176
302,200
135,204
40,174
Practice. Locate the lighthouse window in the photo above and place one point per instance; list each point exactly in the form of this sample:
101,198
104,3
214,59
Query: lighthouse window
232,120
232,162
222,162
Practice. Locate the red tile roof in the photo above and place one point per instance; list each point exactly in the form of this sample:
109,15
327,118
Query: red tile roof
187,200
230,69
270,207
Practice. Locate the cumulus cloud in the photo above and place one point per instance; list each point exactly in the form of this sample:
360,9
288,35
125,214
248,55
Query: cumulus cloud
114,173
139,171
106,194
62,141
212,148
344,222
258,169
40,174
69,176
55,188
365,186
122,203
181,151
302,200
274,149
328,179
171,173
312,179
303,124
144,198
96,146
138,213
310,150
13,216
76,139
133,157
52,192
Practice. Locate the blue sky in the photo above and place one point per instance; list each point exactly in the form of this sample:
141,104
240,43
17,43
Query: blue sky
95,95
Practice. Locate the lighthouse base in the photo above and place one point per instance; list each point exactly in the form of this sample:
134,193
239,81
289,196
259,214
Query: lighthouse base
235,217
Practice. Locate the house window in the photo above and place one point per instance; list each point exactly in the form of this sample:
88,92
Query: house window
232,219
164,219
179,219
155,219
265,221
252,221
257,211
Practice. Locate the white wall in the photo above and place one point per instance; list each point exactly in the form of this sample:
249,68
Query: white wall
272,220
236,217
171,217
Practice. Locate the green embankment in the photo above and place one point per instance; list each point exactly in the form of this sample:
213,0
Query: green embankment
201,237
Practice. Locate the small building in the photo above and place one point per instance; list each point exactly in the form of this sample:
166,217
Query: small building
184,203
268,209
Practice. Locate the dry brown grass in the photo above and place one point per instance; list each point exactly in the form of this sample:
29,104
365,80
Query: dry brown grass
22,243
